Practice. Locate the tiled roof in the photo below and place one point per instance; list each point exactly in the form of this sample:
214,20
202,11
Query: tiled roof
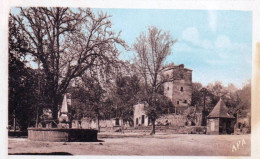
220,111
172,66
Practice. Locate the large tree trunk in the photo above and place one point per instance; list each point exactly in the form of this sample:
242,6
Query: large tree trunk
98,123
153,127
14,122
70,120
37,117
55,110
55,103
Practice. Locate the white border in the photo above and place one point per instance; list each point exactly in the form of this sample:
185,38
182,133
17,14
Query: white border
249,5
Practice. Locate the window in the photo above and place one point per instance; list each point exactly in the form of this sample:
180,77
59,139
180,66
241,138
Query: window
136,121
181,76
181,89
178,102
117,121
168,88
185,101
142,119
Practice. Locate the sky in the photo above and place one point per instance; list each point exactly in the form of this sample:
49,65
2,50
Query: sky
216,45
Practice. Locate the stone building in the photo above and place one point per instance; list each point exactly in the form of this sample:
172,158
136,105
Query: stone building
219,121
140,118
178,86
88,123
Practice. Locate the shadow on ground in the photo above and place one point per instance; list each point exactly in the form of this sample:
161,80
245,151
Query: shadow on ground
50,153
85,141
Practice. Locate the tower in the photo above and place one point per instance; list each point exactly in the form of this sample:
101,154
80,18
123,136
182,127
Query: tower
178,87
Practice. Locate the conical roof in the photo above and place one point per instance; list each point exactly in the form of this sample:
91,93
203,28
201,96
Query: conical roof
220,111
64,107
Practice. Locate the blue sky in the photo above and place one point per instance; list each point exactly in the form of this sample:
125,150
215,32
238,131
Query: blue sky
216,45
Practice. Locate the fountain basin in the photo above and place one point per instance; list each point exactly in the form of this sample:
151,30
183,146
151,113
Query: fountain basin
62,134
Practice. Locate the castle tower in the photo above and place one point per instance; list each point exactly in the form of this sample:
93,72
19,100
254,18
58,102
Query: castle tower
179,86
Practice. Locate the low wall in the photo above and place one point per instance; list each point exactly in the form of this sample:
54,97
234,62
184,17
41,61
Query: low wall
174,120
61,135
92,124
167,129
17,133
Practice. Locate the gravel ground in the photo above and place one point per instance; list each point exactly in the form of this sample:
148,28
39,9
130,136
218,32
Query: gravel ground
139,144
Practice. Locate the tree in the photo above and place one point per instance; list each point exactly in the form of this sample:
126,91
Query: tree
66,43
124,95
25,84
196,98
87,100
228,94
21,93
244,96
152,49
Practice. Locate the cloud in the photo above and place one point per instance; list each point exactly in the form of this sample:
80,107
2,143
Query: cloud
183,47
192,35
206,44
220,43
218,51
212,20
223,41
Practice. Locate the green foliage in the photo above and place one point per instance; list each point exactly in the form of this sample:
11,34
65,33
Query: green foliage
66,43
23,92
125,95
152,48
196,98
90,99
87,99
234,98
244,96
161,105
25,85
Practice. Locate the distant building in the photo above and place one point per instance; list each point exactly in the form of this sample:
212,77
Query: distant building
140,118
219,121
178,87
88,123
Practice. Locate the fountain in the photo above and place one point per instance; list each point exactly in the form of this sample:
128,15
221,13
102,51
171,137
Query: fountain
62,133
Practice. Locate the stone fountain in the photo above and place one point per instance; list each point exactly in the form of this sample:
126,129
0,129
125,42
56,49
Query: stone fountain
62,133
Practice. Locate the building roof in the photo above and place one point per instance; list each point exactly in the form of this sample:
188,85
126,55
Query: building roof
220,111
172,66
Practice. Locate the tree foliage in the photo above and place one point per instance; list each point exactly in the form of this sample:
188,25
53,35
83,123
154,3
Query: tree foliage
124,95
234,98
152,49
24,83
66,43
22,93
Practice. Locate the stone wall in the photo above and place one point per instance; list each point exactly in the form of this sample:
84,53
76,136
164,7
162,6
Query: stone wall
173,120
213,126
178,91
92,124
140,118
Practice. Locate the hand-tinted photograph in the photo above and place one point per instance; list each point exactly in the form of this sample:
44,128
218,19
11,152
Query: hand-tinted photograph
135,82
